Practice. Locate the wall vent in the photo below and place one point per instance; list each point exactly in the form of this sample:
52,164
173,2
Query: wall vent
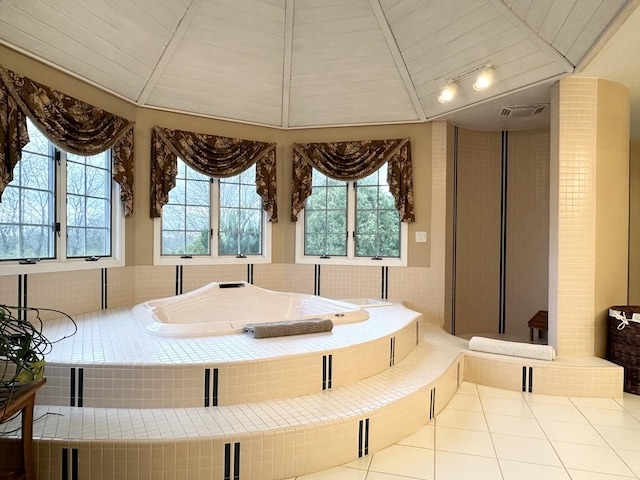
521,111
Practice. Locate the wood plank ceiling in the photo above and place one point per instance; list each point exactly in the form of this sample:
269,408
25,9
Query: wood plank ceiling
307,63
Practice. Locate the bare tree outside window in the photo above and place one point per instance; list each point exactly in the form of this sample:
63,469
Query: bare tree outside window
29,224
27,211
240,230
187,217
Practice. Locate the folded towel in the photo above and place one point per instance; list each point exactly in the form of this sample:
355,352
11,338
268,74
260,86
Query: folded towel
290,327
515,349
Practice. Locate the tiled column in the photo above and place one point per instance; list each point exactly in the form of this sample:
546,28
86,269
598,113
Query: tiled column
589,206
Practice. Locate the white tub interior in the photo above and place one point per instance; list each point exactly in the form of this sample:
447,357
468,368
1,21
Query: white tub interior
220,308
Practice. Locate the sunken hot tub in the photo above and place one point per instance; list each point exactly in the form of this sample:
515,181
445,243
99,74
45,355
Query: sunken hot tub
221,308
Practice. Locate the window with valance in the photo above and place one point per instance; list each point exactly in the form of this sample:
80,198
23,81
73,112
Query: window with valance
216,156
349,161
70,124
356,199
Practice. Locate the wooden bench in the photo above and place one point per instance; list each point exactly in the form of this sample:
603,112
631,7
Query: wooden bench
538,321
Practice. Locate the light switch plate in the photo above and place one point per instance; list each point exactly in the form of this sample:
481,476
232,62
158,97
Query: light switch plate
421,237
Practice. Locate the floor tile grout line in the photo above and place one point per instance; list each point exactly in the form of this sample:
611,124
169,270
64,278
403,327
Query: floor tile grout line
615,450
493,444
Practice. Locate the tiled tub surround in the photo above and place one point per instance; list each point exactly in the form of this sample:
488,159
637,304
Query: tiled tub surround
275,439
112,362
271,439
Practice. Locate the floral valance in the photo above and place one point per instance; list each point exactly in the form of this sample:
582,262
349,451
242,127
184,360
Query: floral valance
353,161
69,123
216,156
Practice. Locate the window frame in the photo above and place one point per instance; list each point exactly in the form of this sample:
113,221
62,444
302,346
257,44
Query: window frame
350,258
62,263
213,258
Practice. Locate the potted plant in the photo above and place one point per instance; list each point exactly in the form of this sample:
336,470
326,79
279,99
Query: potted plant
22,349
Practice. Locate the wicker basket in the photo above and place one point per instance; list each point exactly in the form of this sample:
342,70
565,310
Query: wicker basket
623,347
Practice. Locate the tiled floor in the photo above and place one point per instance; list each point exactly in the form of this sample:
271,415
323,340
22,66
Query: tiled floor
491,434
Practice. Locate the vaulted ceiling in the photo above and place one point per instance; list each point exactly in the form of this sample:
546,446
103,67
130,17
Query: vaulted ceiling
309,63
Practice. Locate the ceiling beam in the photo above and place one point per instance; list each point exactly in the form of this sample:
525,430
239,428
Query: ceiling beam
544,46
397,57
169,50
286,68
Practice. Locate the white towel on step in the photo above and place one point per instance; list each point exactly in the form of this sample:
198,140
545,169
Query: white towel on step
514,349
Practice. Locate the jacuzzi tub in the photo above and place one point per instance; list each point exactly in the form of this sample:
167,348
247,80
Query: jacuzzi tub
221,308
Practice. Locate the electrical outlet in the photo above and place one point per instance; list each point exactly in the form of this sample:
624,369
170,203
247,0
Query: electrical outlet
421,237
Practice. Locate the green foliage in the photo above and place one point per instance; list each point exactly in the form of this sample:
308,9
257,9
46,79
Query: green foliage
23,346
19,346
377,222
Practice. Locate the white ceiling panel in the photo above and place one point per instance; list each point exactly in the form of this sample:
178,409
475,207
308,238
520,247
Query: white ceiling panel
309,63
342,85
229,63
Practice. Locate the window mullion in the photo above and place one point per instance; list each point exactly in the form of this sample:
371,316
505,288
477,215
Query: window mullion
351,219
214,215
61,206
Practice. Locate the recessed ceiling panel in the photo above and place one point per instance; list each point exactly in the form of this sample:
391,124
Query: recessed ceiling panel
113,44
342,70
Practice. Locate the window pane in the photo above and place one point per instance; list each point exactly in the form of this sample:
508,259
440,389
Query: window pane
33,171
27,208
228,243
36,241
75,211
197,242
98,213
377,220
186,219
197,218
229,194
173,217
325,217
89,205
75,242
249,198
9,211
35,207
9,240
98,182
75,179
173,243
241,217
177,195
38,143
198,193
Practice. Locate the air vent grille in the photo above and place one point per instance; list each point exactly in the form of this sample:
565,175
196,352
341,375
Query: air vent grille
522,111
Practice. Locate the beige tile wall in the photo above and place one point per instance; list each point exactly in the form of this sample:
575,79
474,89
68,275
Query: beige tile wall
71,292
478,231
580,232
120,286
612,205
9,290
527,248
577,380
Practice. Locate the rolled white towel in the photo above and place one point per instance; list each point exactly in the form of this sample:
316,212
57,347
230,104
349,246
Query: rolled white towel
514,349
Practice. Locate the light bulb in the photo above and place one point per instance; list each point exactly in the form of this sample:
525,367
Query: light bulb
448,93
484,80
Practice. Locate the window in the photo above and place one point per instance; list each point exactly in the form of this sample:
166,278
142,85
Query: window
59,207
197,203
346,222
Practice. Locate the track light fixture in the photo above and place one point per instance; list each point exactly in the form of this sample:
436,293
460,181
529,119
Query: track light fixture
482,81
448,93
